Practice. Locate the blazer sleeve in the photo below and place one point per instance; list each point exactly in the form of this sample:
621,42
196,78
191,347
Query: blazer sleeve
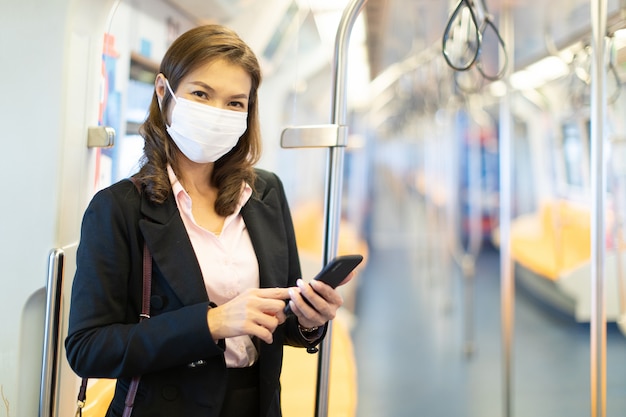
105,338
293,336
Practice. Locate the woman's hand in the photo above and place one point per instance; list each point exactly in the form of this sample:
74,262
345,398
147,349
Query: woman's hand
255,312
324,302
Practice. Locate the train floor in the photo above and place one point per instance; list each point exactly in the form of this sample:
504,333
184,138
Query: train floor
412,331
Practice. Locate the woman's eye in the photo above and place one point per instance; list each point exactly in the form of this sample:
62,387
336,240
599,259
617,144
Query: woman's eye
200,94
238,104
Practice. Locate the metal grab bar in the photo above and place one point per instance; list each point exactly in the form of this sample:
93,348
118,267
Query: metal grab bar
507,278
332,214
49,371
333,136
469,254
598,187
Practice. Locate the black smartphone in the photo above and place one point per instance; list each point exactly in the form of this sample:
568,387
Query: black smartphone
333,273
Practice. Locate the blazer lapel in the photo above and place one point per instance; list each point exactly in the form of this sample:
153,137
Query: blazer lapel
262,215
171,250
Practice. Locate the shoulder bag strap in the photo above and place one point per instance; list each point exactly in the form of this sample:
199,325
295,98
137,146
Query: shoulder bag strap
145,314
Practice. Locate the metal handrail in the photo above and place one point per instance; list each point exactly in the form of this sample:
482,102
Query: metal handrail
598,187
49,371
334,137
507,279
332,214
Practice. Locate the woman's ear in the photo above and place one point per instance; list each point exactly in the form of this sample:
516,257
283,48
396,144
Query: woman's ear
160,87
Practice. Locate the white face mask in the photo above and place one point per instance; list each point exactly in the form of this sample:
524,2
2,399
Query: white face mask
204,133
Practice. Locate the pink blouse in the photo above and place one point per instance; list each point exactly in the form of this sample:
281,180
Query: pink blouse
228,263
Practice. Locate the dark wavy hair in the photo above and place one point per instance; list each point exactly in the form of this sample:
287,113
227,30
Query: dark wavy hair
191,50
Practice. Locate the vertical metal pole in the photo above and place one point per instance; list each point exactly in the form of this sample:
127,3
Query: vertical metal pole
598,187
507,289
469,255
49,371
334,182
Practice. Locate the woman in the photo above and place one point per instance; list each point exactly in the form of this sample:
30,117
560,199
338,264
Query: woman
223,252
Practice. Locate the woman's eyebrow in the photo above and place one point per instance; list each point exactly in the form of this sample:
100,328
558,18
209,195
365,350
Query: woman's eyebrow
212,90
202,85
245,96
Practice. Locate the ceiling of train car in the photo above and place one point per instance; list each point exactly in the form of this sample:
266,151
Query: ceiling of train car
398,28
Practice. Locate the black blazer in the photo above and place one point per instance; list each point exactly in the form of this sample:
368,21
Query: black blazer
105,339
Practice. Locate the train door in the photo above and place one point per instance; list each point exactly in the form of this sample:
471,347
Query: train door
53,54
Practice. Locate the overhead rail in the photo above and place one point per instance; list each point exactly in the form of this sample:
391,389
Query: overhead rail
463,38
615,20
581,64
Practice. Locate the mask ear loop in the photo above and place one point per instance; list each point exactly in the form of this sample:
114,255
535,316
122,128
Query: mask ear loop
167,84
160,102
169,88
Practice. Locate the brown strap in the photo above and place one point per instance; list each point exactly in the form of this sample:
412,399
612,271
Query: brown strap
130,397
82,395
147,283
145,314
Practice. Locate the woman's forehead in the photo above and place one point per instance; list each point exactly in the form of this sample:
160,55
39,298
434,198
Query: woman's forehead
220,72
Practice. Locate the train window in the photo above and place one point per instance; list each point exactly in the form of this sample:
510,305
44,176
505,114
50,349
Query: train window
284,27
138,33
523,175
575,155
125,155
572,153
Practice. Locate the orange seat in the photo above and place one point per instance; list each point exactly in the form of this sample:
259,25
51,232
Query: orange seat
554,240
99,395
308,220
299,378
